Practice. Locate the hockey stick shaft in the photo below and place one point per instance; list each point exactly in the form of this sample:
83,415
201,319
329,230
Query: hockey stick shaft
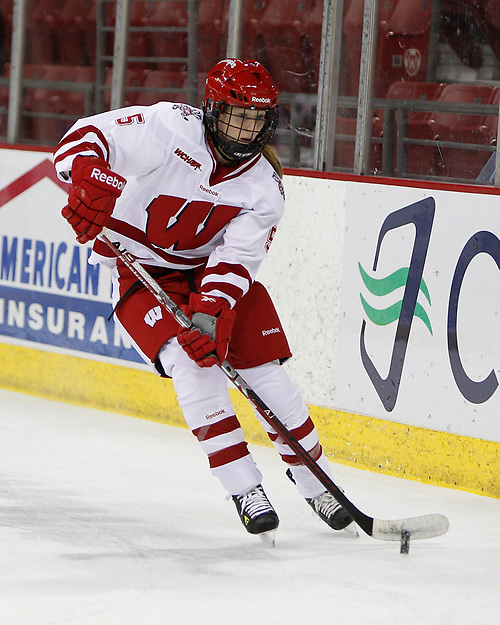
364,521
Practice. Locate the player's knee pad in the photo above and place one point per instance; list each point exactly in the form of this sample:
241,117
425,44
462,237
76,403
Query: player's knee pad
202,393
273,385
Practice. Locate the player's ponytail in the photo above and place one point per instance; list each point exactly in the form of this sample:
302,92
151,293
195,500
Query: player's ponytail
272,156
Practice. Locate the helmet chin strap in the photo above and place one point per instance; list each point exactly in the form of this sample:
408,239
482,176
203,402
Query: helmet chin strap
225,159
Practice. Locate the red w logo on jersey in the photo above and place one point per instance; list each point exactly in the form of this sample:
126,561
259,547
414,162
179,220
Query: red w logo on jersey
175,223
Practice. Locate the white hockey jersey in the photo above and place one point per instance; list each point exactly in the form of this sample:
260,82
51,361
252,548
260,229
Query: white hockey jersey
178,209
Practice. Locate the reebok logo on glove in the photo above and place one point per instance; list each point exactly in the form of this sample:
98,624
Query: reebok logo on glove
112,181
94,191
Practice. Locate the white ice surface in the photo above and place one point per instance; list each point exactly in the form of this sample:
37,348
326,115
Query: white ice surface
111,520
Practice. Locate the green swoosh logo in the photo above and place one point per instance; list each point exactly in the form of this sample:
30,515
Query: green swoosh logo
383,286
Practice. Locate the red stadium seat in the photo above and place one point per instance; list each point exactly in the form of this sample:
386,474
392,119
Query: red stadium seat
404,52
491,121
164,43
291,33
344,146
40,100
421,91
404,40
133,78
4,103
492,12
138,44
41,44
76,32
353,29
211,43
252,46
463,128
162,81
404,90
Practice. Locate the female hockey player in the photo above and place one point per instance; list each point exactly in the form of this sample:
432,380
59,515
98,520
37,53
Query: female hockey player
196,195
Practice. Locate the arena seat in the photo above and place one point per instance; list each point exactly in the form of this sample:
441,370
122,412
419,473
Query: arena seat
408,90
38,100
404,53
252,46
164,43
473,129
404,32
492,12
4,102
161,81
76,32
352,33
291,33
344,146
133,78
463,128
211,43
138,42
41,23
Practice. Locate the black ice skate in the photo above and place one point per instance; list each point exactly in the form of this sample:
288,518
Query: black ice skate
256,513
330,511
327,508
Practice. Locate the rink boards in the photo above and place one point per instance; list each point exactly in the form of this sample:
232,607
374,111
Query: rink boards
389,293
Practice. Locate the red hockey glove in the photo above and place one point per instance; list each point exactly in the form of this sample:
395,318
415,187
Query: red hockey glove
207,345
92,197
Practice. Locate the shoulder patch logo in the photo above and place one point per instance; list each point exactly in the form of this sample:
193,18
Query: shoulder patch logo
186,111
280,184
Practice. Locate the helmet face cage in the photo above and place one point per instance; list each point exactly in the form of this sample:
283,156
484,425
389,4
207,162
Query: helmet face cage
227,134
232,88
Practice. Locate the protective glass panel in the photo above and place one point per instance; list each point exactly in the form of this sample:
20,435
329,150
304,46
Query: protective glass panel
435,88
435,73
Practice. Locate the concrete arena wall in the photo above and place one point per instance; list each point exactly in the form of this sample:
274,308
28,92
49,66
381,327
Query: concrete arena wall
335,295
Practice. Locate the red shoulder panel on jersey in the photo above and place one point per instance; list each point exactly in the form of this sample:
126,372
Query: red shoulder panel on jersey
83,146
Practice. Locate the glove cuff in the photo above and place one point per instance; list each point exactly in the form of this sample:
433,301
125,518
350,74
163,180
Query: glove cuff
207,304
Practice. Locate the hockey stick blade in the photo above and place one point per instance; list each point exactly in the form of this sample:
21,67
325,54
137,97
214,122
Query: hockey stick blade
419,527
426,526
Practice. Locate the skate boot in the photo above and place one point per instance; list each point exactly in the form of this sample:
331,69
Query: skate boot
256,513
327,508
330,511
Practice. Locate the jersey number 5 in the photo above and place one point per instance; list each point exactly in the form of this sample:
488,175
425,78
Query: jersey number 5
138,118
175,223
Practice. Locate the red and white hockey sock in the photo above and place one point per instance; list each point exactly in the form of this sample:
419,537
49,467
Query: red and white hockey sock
274,387
228,455
203,397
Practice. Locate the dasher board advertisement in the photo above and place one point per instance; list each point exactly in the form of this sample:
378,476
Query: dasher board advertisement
419,329
50,296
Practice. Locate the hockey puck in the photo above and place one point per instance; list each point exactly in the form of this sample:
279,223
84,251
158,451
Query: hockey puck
405,541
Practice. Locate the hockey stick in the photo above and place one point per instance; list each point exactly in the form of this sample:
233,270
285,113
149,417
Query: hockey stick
426,526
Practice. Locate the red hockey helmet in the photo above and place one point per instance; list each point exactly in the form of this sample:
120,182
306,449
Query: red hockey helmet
246,85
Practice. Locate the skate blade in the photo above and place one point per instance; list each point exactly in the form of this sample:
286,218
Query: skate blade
268,538
351,530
